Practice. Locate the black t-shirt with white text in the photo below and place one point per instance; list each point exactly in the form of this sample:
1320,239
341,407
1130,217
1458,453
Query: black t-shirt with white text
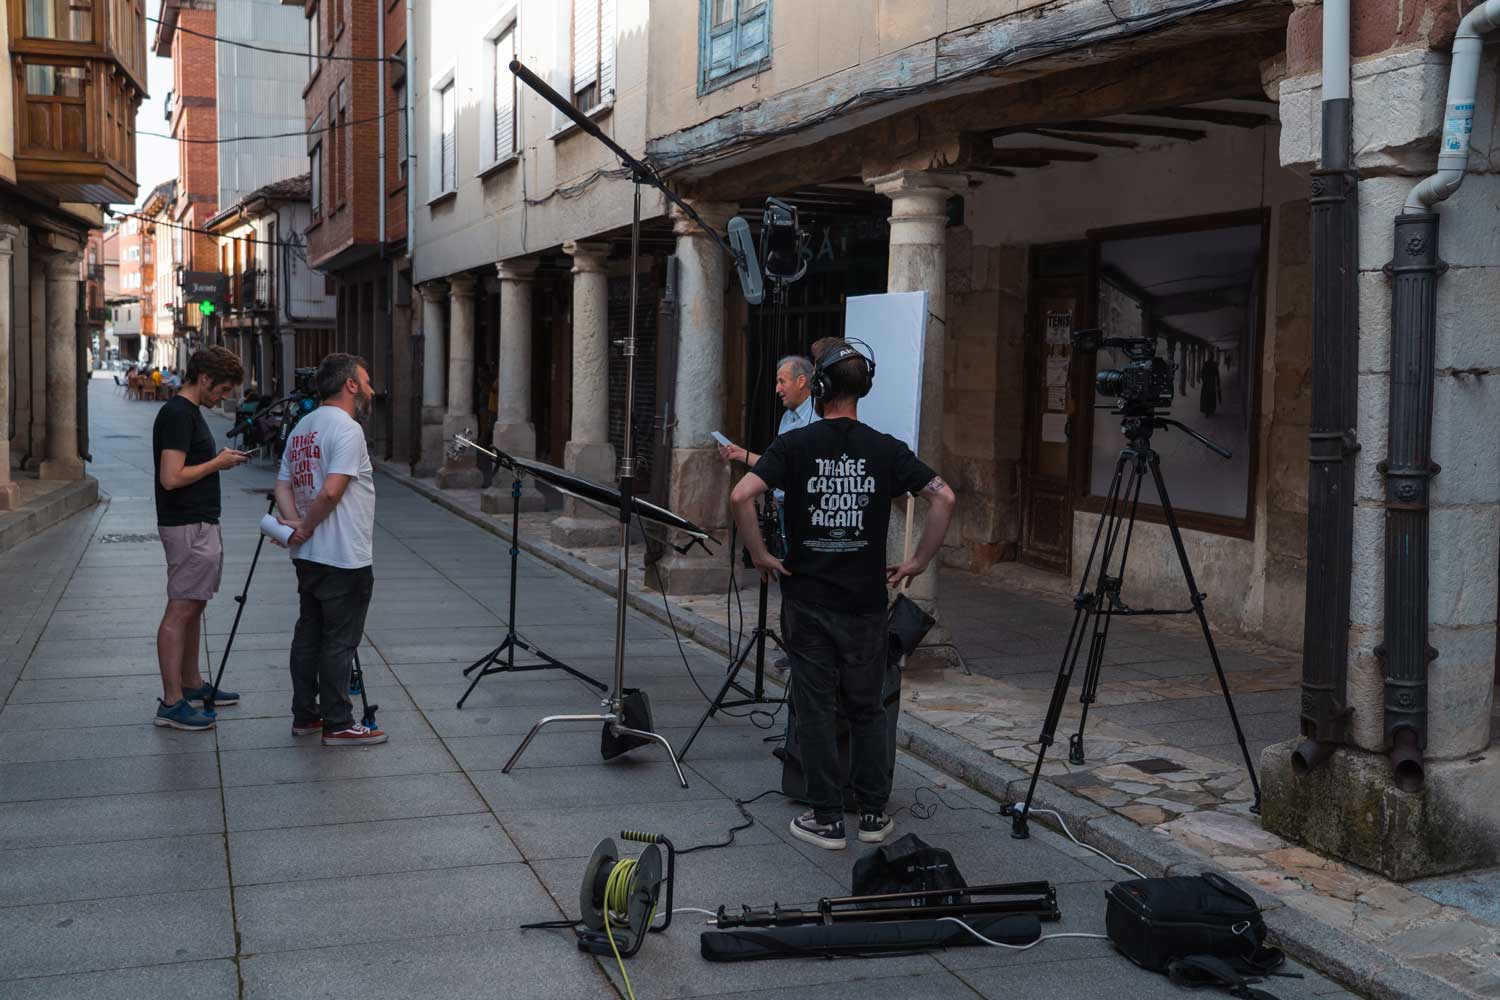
839,476
180,427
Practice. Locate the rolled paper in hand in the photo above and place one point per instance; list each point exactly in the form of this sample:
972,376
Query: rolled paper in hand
272,528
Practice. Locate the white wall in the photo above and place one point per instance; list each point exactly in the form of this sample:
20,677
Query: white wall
260,94
487,221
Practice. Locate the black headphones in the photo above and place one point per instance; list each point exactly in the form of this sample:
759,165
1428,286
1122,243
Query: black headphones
819,386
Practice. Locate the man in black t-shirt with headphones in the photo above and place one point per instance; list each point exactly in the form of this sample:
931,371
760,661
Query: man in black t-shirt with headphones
840,476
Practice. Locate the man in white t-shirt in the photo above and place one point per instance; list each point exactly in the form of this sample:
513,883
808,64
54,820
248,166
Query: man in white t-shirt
325,492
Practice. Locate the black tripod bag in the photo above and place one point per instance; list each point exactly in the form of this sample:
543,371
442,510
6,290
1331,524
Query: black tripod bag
908,864
794,781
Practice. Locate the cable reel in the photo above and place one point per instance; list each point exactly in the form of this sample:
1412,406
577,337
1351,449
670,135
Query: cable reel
617,899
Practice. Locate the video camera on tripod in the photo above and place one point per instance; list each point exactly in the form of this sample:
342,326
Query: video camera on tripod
1145,382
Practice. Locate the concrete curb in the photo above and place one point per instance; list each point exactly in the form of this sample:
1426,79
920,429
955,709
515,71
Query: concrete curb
1341,956
52,508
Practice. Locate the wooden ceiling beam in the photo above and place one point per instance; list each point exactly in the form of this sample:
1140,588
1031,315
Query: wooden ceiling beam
1088,140
1213,116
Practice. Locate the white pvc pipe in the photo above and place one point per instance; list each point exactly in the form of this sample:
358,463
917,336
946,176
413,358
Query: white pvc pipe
1458,116
1335,50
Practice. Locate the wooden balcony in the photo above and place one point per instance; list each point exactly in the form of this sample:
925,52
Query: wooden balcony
79,75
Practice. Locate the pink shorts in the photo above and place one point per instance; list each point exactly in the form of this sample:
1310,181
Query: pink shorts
195,560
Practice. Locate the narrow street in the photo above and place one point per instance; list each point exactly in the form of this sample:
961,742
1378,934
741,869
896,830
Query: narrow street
142,862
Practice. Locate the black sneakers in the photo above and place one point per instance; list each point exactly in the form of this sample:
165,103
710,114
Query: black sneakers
875,827
829,836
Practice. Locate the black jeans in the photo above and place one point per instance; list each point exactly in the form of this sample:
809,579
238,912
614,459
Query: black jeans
333,603
838,659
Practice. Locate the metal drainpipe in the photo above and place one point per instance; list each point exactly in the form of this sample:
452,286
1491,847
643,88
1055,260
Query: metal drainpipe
1415,268
1331,435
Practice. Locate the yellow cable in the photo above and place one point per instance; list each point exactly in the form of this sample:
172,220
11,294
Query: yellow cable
617,889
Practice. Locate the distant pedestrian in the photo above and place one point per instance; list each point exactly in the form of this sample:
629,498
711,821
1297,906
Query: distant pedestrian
325,491
187,467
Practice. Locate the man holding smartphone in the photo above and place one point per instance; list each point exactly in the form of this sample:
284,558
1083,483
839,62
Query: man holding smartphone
188,463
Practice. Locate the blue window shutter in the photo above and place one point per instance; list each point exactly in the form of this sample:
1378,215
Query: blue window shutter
752,35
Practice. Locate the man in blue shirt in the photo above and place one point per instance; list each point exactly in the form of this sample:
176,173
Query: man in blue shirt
793,377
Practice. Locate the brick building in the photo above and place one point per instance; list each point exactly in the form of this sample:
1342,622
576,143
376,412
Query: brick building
356,156
225,97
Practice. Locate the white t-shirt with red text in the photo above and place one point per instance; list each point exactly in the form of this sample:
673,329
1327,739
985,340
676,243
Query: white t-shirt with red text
330,442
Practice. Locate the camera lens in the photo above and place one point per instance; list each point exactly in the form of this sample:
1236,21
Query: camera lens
1110,382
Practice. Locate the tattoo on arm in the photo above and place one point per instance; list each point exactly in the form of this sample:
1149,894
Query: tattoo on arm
936,486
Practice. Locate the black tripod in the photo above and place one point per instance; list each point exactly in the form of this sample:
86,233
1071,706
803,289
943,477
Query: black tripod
1093,610
490,663
755,695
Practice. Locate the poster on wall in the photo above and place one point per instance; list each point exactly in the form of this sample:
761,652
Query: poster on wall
894,325
1059,328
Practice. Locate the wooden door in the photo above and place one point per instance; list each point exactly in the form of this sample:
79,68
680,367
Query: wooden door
1056,308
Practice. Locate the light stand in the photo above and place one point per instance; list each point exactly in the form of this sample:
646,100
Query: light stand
1095,609
612,711
490,663
755,695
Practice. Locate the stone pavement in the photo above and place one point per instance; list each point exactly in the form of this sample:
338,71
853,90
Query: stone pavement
137,861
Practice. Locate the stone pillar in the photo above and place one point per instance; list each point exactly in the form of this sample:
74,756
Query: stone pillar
588,451
434,378
1350,806
459,471
33,394
62,369
10,493
699,478
918,262
514,432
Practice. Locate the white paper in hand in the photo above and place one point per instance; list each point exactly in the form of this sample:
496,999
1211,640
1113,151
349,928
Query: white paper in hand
272,528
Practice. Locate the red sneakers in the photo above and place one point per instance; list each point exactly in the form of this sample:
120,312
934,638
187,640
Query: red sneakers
307,728
353,735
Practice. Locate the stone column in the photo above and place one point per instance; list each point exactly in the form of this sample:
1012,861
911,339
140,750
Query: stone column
918,262
459,471
10,493
699,477
514,432
33,393
268,365
588,451
434,378
62,369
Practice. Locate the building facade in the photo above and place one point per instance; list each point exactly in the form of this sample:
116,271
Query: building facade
74,79
234,110
278,311
357,156
160,296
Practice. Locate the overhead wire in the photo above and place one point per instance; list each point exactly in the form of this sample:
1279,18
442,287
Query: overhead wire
274,135
315,56
198,229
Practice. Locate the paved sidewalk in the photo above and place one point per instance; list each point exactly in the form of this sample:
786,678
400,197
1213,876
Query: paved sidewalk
137,861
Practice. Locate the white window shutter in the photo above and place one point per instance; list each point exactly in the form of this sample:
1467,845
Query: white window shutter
585,44
504,97
606,50
449,140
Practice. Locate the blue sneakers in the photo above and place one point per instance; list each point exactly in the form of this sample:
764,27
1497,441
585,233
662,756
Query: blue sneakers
181,716
222,698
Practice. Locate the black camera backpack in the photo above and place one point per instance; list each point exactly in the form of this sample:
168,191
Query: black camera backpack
1200,930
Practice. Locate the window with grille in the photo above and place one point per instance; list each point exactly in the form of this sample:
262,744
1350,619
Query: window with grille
504,96
448,140
401,137
734,41
593,53
315,168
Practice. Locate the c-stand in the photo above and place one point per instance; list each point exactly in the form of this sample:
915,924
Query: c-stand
1095,609
489,663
